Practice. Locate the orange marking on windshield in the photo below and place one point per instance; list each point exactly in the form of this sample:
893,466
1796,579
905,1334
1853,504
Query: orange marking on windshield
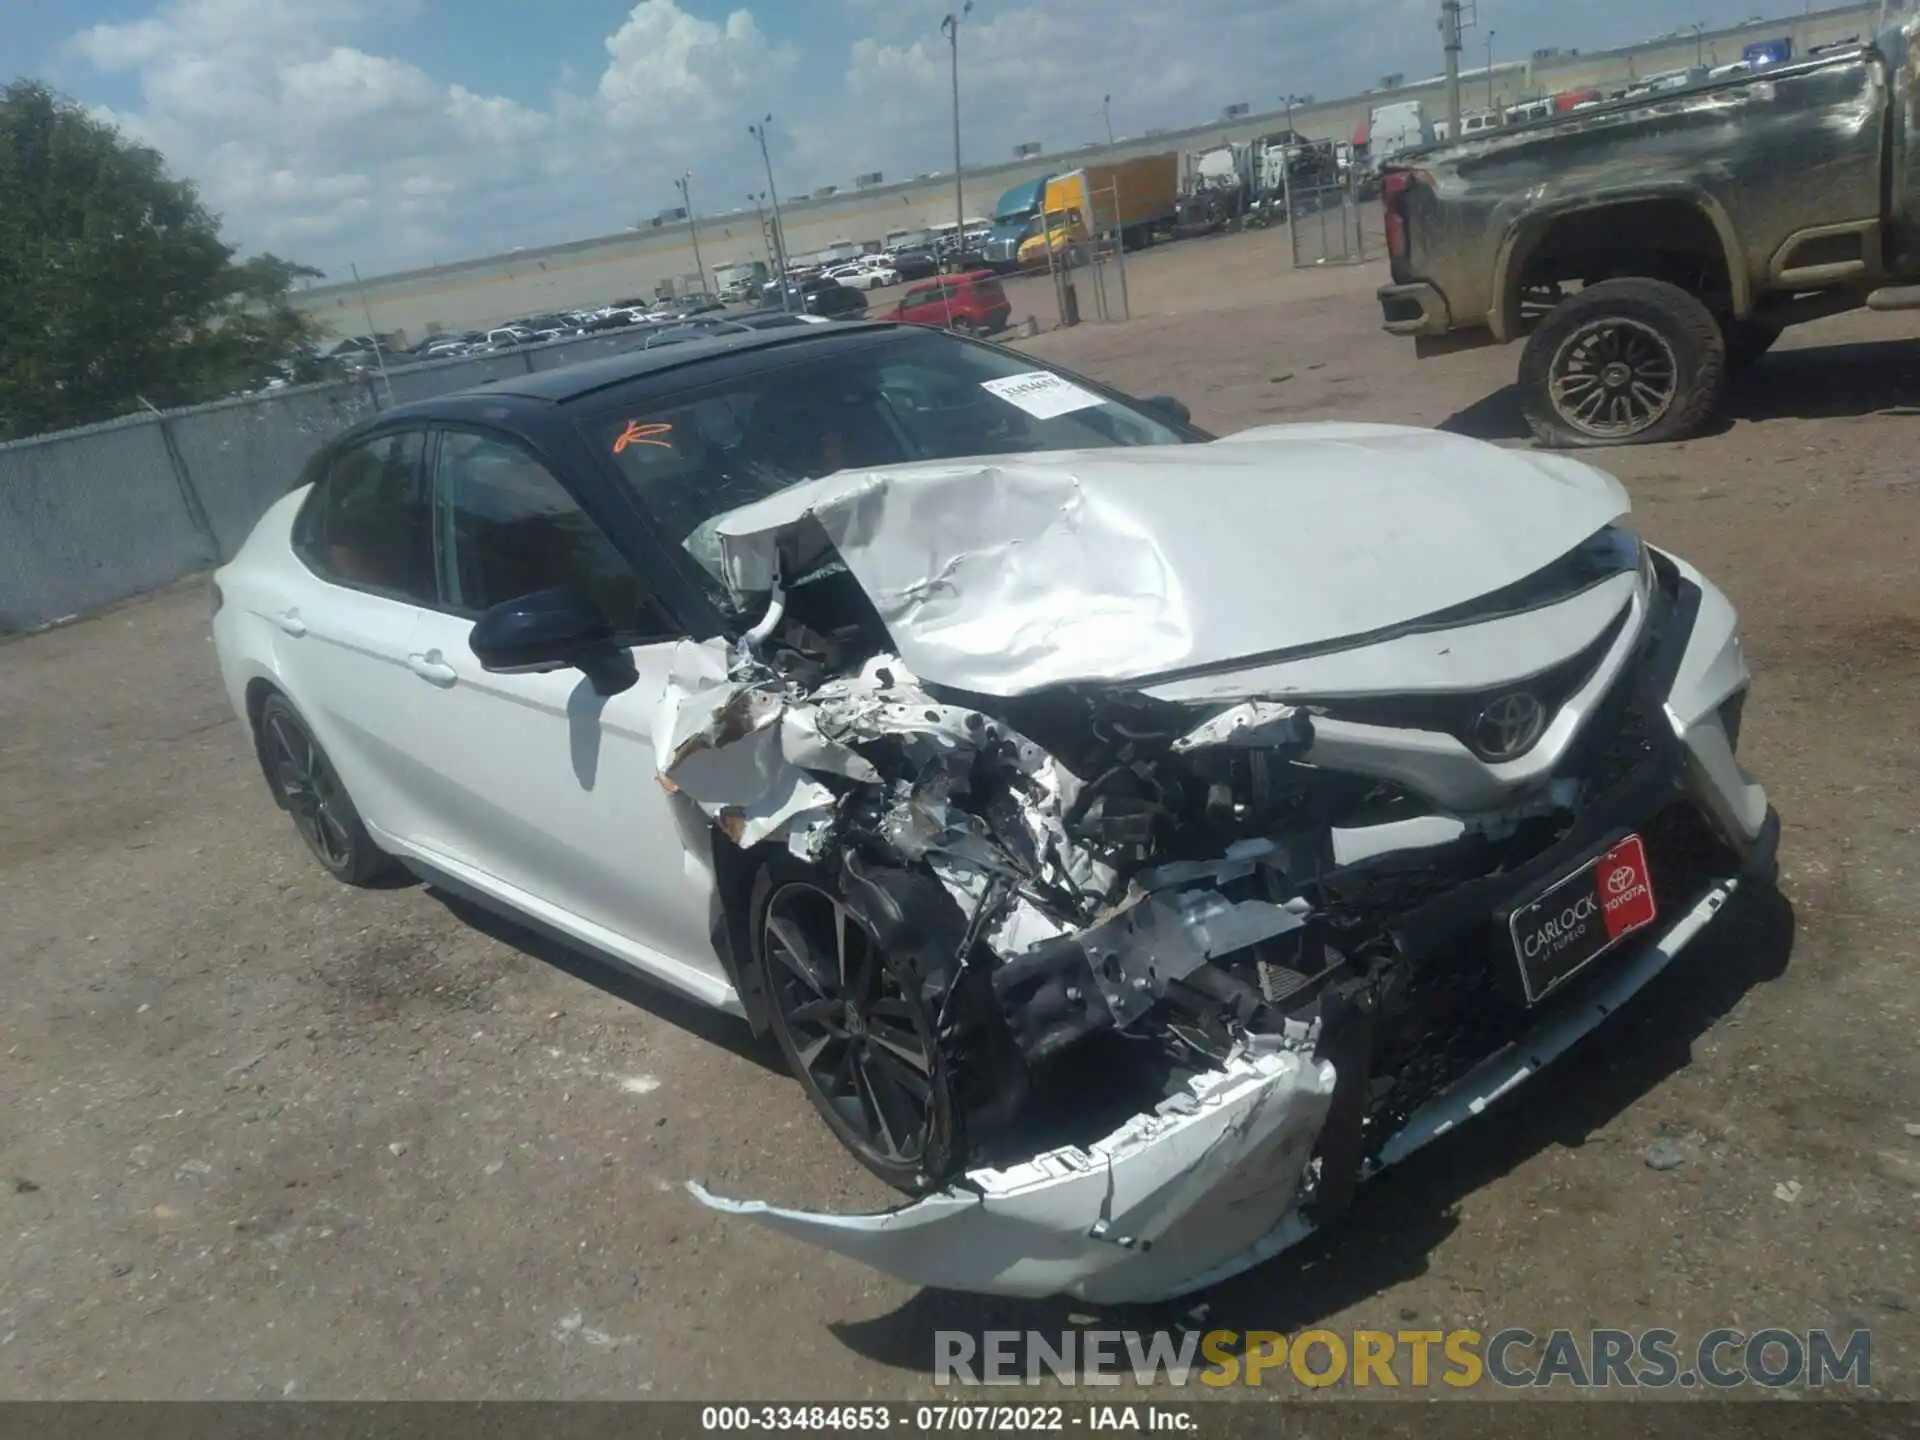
638,434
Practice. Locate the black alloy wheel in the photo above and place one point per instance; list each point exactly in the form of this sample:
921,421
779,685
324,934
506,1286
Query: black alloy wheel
310,790
854,1031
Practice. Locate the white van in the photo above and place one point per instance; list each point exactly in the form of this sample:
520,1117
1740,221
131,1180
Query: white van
1398,127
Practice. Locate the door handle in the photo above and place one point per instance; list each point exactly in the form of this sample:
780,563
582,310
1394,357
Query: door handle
430,667
290,621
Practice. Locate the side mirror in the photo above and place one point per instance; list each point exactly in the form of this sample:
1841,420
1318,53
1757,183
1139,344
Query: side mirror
1170,407
552,630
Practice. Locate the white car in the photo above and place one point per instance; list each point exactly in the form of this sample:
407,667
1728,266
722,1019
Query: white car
976,730
870,273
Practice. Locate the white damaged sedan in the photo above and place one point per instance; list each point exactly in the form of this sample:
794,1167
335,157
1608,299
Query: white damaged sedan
959,721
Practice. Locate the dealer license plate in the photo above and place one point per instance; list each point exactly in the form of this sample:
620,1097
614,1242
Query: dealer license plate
1577,920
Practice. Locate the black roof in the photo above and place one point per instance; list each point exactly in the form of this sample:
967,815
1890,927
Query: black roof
569,382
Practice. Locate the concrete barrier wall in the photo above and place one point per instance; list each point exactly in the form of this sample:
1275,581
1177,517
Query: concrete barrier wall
90,517
94,516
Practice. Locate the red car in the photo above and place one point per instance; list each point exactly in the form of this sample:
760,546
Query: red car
972,303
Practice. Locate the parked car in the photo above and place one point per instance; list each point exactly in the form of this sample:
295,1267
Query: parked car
916,264
952,717
870,272
776,319
973,303
610,320
447,346
833,300
507,337
821,296
1637,291
658,335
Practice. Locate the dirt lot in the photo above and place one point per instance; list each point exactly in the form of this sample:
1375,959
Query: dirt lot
261,1135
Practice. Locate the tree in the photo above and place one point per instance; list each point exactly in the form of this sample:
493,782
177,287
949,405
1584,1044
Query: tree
116,290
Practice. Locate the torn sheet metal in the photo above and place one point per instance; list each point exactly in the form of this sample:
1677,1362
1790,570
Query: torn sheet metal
751,750
1005,577
1167,937
1218,1189
736,749
1207,1184
1252,725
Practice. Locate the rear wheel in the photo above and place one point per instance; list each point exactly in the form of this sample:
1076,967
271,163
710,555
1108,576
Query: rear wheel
961,325
309,789
855,1027
1624,362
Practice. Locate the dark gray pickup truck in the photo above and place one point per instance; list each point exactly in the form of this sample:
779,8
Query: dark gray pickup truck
1646,249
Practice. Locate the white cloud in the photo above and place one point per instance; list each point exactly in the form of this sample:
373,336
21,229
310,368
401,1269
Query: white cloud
668,68
318,148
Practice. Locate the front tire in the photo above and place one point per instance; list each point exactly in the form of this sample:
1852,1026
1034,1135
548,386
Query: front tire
309,789
1625,362
856,1025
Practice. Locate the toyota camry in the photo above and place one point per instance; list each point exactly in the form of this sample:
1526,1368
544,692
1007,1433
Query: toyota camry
955,720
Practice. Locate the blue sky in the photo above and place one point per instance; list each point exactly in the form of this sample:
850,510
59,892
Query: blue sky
402,132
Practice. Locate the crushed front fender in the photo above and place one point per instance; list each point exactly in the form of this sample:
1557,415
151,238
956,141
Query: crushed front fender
1208,1184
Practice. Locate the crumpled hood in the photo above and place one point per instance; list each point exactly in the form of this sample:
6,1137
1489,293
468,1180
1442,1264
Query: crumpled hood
1005,576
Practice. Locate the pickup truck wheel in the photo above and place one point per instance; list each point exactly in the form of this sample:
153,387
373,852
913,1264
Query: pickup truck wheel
1624,362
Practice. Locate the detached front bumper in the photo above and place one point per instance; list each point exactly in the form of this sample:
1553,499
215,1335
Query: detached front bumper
1244,1162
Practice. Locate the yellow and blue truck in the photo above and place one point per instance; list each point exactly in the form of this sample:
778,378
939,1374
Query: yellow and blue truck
1129,200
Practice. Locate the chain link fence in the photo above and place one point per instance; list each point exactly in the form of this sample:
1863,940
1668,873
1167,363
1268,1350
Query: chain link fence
1327,221
94,516
1088,265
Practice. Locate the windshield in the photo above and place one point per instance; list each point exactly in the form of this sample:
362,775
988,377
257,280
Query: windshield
922,396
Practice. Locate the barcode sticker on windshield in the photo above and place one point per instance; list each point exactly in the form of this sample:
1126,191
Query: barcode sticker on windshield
1042,394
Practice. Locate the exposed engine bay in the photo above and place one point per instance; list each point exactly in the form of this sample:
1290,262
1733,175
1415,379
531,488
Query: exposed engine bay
1115,863
1304,951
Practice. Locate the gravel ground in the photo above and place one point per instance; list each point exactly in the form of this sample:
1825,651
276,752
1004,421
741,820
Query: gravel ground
262,1136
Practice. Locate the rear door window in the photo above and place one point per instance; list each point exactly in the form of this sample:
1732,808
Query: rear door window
367,524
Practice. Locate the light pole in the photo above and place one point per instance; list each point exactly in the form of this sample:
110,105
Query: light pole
1490,35
1290,100
760,209
693,231
759,132
1106,110
950,27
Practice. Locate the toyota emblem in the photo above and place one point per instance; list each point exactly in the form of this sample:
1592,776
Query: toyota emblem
1620,881
1508,727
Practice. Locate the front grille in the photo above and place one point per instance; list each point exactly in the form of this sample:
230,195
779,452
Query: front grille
1458,1007
1616,741
1458,715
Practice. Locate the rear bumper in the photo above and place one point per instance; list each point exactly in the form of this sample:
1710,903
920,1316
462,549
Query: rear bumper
1415,309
